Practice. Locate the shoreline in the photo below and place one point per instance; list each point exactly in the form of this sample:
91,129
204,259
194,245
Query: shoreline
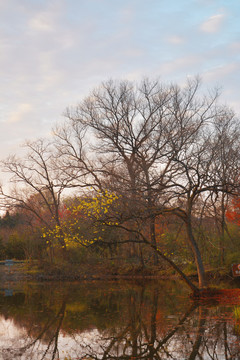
25,271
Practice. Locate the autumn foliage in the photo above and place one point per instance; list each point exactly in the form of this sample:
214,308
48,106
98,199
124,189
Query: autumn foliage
84,223
233,211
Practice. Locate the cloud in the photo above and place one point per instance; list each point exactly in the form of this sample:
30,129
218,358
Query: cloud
212,24
235,46
183,64
222,71
41,23
175,39
127,14
19,114
227,78
46,20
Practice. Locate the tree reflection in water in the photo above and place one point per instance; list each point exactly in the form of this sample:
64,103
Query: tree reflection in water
116,321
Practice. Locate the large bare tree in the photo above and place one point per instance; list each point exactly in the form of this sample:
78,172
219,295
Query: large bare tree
162,148
158,146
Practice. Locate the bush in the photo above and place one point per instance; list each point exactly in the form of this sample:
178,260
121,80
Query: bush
2,250
15,247
233,258
190,268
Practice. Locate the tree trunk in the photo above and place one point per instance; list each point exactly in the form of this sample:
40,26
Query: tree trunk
153,239
175,267
197,255
222,231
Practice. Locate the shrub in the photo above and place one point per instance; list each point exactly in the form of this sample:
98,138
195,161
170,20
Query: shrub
15,247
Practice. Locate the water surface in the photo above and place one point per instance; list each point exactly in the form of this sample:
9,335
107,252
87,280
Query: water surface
114,320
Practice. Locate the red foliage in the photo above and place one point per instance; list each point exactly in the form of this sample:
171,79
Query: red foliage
64,212
233,212
222,296
161,225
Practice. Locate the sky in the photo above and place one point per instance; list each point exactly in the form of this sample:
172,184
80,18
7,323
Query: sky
54,52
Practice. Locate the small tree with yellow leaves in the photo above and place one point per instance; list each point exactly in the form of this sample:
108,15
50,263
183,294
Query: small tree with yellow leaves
87,222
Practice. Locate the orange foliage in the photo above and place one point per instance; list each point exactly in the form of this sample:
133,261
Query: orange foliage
233,212
161,226
222,296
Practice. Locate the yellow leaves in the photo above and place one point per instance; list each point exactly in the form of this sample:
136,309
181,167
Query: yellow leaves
95,207
84,221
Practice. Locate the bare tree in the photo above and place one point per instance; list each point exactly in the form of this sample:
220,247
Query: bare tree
132,126
227,167
206,167
158,147
38,183
161,148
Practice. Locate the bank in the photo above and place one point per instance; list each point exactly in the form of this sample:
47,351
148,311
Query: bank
34,271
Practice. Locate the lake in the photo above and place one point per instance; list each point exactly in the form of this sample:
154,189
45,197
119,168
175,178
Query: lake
114,320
